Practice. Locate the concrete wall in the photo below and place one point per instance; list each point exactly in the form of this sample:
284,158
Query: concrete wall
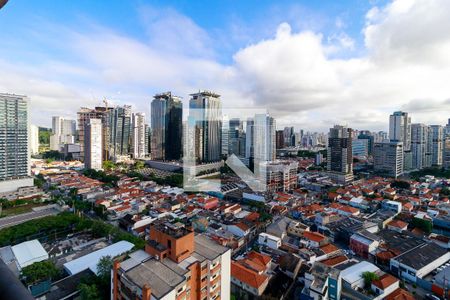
13,185
225,275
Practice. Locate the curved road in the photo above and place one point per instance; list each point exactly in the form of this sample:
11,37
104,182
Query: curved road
17,219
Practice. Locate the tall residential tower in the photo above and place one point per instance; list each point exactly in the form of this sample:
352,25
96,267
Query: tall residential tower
14,143
166,127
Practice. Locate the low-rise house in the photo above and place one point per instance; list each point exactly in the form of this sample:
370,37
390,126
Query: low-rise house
352,276
269,240
297,228
364,243
248,279
384,286
322,282
397,225
314,239
239,229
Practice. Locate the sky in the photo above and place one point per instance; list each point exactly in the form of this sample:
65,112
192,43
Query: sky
310,64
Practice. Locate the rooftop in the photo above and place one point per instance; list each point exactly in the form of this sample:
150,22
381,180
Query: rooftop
154,273
421,256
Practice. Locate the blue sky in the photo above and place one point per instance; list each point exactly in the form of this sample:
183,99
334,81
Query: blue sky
301,60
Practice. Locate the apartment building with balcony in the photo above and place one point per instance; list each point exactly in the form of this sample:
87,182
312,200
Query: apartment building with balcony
176,264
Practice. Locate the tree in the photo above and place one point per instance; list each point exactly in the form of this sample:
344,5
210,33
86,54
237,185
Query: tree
422,224
104,266
39,271
139,165
368,278
89,291
400,184
445,191
108,165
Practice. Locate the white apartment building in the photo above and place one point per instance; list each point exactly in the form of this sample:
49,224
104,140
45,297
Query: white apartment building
34,139
138,135
63,132
93,144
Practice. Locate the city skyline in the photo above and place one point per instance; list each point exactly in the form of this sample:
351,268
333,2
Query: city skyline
363,64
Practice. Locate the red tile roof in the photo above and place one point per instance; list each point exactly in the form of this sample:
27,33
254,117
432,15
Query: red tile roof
398,224
313,236
385,281
400,294
262,258
334,261
247,276
329,248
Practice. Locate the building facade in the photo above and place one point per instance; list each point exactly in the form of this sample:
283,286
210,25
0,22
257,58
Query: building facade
400,131
339,154
166,126
436,144
360,148
388,158
119,132
280,175
139,138
83,117
34,139
206,107
63,132
93,144
421,156
176,264
14,143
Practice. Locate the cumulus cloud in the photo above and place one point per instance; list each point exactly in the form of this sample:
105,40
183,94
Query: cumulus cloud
294,74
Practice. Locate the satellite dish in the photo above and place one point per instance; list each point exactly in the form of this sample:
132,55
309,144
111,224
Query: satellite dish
2,3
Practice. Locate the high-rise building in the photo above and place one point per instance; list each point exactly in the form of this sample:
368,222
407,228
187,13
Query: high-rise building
436,144
281,176
225,135
176,264
206,107
139,137
367,135
166,127
447,129
264,138
93,144
360,148
388,158
148,140
63,132
84,115
288,134
249,146
279,137
339,154
34,140
236,138
400,131
446,153
120,132
419,146
14,143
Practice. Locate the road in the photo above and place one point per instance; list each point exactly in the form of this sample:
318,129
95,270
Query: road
17,219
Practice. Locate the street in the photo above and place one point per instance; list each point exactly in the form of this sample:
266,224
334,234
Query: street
14,220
